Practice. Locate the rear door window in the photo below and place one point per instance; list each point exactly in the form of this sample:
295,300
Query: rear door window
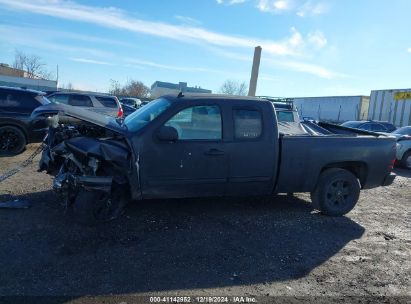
108,102
248,124
17,101
80,101
59,98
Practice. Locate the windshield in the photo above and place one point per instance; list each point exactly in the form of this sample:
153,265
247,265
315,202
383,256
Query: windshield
144,115
42,99
403,131
351,124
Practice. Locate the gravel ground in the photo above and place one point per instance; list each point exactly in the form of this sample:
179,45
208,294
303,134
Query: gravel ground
205,247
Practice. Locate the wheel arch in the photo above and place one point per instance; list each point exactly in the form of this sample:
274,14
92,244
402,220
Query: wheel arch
357,168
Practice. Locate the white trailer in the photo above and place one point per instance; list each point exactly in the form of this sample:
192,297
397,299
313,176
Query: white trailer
393,106
333,108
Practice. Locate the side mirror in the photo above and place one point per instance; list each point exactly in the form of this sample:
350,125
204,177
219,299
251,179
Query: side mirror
168,134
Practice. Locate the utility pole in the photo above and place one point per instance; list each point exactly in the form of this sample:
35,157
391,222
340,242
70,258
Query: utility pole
254,71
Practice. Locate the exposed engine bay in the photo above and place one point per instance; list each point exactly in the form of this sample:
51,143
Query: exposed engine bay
91,165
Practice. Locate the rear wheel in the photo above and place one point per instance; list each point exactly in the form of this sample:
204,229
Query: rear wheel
405,161
337,192
12,141
94,206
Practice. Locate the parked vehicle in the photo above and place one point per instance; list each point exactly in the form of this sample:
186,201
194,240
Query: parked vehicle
404,131
127,110
403,154
285,109
206,145
16,127
370,125
132,102
103,104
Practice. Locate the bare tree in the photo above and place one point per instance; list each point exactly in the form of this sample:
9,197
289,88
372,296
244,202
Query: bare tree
31,64
136,89
233,87
19,60
132,88
115,88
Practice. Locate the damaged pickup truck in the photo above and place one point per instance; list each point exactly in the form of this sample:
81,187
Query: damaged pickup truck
206,146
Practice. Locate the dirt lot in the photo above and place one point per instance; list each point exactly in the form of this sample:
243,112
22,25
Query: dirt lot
205,247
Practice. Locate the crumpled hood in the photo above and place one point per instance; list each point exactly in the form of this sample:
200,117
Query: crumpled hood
83,114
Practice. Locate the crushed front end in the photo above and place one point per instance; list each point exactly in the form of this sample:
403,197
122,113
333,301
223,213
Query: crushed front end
91,165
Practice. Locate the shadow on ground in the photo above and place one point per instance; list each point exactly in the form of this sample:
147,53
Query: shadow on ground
165,245
403,172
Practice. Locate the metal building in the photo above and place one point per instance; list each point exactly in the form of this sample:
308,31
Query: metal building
28,83
391,105
333,108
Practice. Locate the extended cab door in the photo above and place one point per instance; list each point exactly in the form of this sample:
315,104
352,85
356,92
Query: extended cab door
194,165
253,149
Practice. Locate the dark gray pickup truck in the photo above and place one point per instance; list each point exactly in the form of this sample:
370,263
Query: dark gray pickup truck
206,145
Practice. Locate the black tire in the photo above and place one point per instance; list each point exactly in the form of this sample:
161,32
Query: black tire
405,162
336,193
91,207
12,141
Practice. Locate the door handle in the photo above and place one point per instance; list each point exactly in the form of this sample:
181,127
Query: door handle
214,152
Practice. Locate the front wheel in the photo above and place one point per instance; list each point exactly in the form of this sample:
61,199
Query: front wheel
337,192
94,206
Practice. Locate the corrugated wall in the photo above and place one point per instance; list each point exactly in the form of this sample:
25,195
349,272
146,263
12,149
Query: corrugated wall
334,108
391,105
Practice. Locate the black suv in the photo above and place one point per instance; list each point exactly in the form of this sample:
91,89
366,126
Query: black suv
16,127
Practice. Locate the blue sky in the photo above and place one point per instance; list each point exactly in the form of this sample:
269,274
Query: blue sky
310,47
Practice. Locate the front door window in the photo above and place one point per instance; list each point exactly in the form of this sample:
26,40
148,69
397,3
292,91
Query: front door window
197,123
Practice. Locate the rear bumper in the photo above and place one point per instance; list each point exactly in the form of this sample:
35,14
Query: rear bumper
389,179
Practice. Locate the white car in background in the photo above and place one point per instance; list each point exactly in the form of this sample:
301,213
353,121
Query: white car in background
403,136
103,104
132,102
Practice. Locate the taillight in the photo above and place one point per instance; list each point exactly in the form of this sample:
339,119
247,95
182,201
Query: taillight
120,112
391,166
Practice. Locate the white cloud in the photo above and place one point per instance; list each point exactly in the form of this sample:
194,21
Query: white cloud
295,44
231,2
114,18
409,50
275,6
188,20
308,68
297,66
303,9
92,61
310,8
317,39
27,37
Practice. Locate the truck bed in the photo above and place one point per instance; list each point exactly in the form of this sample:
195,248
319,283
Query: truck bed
309,154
